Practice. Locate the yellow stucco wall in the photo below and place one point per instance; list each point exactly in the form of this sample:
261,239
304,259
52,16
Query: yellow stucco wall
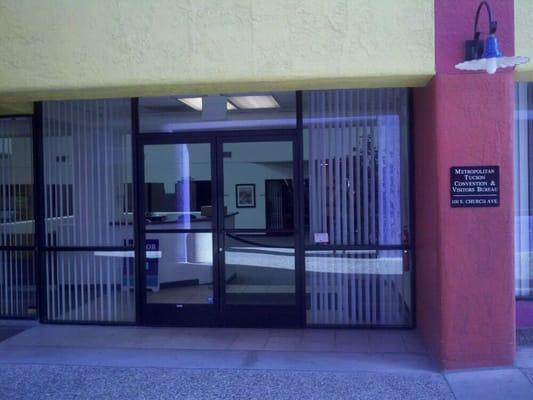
99,48
523,10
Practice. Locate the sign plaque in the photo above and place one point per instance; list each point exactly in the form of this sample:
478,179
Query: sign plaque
475,186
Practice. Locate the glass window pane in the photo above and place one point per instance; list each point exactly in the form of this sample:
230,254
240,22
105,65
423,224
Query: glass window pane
258,185
177,186
523,196
16,182
90,286
217,112
356,166
179,268
259,269
88,172
349,287
17,284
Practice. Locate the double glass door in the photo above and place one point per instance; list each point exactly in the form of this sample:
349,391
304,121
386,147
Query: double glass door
219,231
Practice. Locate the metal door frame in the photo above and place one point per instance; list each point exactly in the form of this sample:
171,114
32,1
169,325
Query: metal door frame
219,316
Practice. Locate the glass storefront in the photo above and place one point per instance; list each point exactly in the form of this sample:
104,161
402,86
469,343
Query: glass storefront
252,209
88,211
523,195
17,225
357,207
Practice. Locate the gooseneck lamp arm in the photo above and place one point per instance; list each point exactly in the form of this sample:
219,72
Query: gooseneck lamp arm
493,25
474,47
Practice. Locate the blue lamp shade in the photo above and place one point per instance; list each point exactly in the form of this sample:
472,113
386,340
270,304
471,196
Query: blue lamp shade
491,59
491,48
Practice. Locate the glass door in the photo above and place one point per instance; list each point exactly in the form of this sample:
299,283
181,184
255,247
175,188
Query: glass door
219,231
257,235
179,230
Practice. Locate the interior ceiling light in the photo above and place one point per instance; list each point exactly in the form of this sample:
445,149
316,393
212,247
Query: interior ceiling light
479,57
251,102
196,103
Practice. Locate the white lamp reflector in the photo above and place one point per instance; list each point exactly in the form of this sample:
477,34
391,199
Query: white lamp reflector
491,64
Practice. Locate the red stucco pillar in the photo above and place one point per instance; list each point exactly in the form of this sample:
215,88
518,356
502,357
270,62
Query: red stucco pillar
464,256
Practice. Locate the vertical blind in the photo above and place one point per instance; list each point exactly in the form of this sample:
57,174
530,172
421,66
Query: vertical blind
90,286
17,284
523,153
87,173
16,182
358,196
354,164
88,204
356,287
17,269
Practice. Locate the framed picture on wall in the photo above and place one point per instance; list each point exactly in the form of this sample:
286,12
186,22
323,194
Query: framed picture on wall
245,195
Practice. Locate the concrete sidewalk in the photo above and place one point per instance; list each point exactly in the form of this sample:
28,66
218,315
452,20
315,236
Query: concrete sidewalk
51,361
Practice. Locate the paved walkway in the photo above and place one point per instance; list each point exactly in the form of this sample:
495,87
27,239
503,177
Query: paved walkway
64,362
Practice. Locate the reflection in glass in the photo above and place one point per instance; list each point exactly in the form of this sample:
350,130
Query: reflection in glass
16,182
179,268
90,286
351,287
258,185
177,186
259,269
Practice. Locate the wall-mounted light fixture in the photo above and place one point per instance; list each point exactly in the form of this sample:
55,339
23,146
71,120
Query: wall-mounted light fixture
486,56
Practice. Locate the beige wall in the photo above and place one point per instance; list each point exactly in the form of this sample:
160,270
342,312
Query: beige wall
523,10
103,48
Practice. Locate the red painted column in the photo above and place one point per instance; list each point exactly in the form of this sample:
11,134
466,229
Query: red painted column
464,256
